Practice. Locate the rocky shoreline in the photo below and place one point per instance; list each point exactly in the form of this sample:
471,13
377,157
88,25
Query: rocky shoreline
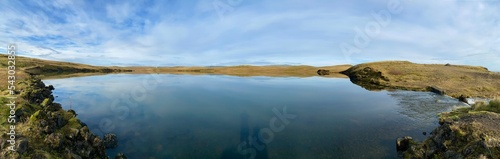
45,131
463,133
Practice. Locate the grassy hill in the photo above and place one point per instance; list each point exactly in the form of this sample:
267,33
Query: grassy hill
36,103
26,66
455,80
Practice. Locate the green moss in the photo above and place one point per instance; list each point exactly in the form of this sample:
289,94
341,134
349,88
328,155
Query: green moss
68,115
492,106
454,115
4,110
3,100
36,104
460,133
437,156
46,102
43,153
36,116
72,123
495,106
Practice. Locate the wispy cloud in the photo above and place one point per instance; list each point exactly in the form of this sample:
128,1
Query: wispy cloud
179,32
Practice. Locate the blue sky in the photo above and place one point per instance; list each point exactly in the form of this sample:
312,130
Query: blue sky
233,32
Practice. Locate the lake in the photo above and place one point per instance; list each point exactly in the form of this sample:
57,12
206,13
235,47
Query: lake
218,117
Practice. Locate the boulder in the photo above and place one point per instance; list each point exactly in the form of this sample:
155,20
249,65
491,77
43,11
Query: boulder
403,143
120,156
436,90
2,142
110,141
54,140
73,112
22,146
463,98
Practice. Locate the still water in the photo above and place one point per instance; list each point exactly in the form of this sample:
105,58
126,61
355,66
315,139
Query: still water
219,117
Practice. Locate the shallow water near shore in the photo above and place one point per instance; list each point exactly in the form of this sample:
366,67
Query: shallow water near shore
211,116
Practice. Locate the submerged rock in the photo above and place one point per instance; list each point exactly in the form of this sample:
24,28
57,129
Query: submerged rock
120,156
110,141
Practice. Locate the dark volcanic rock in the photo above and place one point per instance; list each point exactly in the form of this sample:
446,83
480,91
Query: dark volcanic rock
436,90
54,140
73,112
52,131
367,78
22,146
461,135
120,156
404,143
110,141
462,98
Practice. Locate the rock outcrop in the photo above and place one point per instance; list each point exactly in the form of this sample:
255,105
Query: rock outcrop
367,77
110,141
463,98
45,130
120,156
463,133
436,90
404,143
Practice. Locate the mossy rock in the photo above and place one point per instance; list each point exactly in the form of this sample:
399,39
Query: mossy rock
73,123
46,102
463,133
36,116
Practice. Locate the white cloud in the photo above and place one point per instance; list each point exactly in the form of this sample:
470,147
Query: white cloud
191,33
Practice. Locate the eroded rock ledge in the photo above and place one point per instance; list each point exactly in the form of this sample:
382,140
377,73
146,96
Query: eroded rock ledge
45,130
452,80
463,133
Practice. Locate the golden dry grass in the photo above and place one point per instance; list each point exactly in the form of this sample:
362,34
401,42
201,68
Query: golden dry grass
24,63
455,80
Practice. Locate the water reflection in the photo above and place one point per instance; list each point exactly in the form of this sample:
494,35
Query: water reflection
249,147
210,116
